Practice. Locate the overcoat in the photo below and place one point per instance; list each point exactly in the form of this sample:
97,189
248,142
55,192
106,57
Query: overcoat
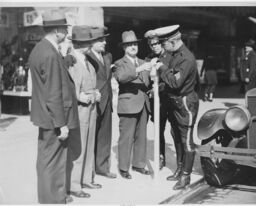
54,105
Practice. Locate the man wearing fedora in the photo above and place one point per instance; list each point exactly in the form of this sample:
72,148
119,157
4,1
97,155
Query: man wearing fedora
133,108
53,109
248,66
157,51
84,76
181,78
101,61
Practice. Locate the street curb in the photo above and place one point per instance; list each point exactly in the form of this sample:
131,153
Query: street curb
192,189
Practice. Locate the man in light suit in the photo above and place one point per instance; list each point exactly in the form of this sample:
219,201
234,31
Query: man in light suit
133,107
84,76
101,61
53,110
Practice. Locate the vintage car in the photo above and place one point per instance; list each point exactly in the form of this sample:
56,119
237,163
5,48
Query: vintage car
228,141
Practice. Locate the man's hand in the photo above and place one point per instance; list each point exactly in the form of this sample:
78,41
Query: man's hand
158,65
63,133
97,95
144,67
247,80
85,98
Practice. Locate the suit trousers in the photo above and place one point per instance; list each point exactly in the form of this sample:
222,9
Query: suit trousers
87,117
51,167
103,140
133,137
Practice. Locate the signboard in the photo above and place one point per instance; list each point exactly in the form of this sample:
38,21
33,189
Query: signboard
32,18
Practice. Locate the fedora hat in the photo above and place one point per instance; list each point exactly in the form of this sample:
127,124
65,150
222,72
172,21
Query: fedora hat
129,37
54,18
87,33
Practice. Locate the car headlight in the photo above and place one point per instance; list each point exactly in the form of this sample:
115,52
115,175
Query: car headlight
237,118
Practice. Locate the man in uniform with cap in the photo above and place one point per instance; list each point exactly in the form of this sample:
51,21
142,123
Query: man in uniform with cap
133,108
53,109
181,78
101,61
157,51
248,66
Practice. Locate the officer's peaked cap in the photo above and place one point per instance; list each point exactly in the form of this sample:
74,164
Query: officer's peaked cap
168,32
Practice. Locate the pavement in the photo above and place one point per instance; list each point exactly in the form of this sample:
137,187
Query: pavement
18,151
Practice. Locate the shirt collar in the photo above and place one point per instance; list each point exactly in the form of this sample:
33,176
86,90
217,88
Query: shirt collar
133,60
55,45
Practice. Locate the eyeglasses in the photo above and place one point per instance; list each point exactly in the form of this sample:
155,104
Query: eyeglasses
154,44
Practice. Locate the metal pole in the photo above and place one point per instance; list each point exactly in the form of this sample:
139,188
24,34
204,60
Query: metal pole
156,126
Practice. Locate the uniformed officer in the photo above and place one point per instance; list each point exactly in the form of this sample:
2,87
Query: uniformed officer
248,66
181,78
157,51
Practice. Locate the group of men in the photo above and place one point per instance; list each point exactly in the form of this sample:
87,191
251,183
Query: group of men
72,106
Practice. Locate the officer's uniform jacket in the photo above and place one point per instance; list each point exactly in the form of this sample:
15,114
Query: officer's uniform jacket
132,88
181,78
248,67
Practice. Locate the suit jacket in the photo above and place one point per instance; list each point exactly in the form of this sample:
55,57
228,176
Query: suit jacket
54,102
83,75
104,75
132,89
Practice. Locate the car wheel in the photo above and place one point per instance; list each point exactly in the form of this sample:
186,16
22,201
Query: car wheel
218,172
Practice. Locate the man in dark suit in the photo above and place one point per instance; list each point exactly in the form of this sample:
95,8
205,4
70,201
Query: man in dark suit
101,61
133,107
53,110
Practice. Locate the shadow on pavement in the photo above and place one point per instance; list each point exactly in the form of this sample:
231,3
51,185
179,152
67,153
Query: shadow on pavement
4,123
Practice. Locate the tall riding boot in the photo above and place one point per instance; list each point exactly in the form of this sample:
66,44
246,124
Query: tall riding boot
183,182
178,172
187,169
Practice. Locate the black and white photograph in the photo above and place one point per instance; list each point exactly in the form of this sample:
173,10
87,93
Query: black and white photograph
127,102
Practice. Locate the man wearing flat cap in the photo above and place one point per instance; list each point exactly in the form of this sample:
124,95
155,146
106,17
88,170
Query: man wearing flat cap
101,61
53,109
248,66
157,51
133,108
181,78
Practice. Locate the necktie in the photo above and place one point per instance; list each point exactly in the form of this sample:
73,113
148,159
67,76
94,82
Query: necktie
101,58
136,63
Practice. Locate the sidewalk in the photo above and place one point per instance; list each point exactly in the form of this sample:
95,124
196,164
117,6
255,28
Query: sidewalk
18,150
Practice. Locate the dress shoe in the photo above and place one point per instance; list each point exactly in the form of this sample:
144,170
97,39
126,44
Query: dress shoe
108,175
91,185
125,174
80,194
69,199
183,182
177,174
141,170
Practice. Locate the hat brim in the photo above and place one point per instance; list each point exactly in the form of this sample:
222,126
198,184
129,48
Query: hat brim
86,40
55,25
129,42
